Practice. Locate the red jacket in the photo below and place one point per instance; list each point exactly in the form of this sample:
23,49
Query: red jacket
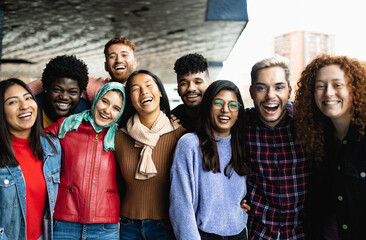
88,190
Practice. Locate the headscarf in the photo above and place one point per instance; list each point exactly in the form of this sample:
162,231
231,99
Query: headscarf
73,122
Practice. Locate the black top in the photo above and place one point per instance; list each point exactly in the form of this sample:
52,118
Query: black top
186,121
341,184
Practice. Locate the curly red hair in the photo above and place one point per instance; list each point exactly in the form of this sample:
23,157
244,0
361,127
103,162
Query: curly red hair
310,121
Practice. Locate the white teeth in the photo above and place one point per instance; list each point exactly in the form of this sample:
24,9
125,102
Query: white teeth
146,100
330,102
224,118
62,104
24,115
192,96
271,105
120,68
103,116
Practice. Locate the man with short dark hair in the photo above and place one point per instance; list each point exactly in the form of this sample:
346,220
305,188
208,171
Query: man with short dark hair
120,62
120,59
193,80
279,180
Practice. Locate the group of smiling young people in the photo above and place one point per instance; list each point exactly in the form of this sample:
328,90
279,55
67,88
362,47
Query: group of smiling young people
123,169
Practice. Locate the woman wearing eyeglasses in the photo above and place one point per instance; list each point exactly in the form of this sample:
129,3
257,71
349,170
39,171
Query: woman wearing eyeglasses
208,172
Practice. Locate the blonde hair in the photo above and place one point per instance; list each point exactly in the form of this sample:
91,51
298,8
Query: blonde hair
275,61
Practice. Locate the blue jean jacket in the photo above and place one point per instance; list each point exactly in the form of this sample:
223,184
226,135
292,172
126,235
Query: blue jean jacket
12,193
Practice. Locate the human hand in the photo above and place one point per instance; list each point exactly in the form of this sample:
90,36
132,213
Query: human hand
245,206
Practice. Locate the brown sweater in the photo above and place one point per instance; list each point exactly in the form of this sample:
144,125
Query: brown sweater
145,199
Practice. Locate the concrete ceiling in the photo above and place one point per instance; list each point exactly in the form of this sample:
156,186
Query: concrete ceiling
162,30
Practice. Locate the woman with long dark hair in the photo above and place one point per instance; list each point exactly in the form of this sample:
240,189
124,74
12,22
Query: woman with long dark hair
144,150
29,166
208,172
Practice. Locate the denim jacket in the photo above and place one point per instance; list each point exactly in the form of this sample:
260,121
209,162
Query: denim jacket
13,199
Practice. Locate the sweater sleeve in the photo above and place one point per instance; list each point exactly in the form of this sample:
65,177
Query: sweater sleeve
94,84
183,192
36,86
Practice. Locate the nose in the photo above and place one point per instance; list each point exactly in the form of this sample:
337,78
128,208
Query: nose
191,86
119,58
64,95
270,93
23,105
143,90
225,108
329,91
108,109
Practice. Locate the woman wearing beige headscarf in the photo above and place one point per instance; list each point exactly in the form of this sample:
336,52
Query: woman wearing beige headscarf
144,151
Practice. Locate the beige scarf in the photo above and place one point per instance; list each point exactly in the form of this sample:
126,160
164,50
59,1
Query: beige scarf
146,139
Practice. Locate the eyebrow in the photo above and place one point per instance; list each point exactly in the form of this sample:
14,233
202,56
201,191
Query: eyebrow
123,51
118,106
148,80
104,98
263,84
332,80
58,86
232,100
25,94
185,79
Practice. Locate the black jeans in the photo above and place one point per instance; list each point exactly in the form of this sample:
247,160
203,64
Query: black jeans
210,236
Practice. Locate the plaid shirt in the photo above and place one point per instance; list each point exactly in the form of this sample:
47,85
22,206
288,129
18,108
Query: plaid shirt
278,184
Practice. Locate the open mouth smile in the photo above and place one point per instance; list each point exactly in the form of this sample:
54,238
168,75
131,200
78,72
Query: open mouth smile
24,115
271,107
103,116
63,106
120,68
333,102
146,100
224,119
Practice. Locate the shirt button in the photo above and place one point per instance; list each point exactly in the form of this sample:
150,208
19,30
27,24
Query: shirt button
344,226
344,141
50,179
339,168
6,181
340,198
363,174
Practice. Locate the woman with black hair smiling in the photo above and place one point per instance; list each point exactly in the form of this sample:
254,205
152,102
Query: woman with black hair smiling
208,172
144,151
29,166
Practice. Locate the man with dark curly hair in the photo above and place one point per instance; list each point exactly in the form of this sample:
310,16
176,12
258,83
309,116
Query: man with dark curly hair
193,80
63,79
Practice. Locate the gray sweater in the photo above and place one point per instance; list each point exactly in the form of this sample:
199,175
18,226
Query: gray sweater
204,200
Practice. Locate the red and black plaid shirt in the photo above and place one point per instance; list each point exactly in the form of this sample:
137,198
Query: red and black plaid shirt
278,184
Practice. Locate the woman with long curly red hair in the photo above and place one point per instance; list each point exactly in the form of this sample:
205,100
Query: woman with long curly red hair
330,110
